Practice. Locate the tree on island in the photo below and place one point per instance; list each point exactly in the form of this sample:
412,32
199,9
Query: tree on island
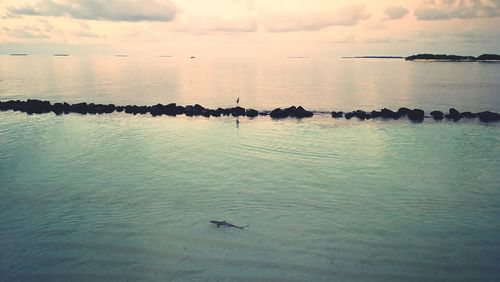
454,58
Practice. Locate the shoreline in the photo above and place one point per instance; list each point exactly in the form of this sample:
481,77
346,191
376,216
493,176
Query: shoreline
34,106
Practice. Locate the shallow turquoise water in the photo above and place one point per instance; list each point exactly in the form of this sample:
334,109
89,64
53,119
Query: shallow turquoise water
122,197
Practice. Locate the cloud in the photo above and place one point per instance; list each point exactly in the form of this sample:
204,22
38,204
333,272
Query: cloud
111,10
232,26
206,24
86,34
349,38
457,9
452,35
395,12
26,32
347,16
250,4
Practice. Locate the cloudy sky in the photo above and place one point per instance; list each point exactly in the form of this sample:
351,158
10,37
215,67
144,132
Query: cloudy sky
250,27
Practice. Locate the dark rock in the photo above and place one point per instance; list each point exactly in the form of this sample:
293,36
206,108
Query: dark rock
404,111
33,106
136,109
8,105
360,114
58,108
214,113
437,115
99,108
105,109
386,113
142,110
120,109
129,109
170,109
159,109
278,113
349,115
189,111
376,114
469,115
5,106
252,113
79,108
205,112
300,112
297,112
66,108
416,115
179,110
227,112
219,112
454,115
156,110
368,116
489,116
454,112
16,105
197,109
337,114
91,109
238,111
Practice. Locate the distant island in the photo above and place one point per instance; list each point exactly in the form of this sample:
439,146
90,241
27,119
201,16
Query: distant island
19,54
453,58
374,57
61,55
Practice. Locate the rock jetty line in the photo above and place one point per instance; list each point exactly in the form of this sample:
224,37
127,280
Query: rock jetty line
33,106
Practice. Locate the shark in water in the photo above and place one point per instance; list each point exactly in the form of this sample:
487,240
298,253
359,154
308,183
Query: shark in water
226,224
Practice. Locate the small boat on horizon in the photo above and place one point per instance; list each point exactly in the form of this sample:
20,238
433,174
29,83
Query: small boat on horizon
61,55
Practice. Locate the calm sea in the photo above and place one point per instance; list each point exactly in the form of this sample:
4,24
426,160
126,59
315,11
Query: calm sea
125,198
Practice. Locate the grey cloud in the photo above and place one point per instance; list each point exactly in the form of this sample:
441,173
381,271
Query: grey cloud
112,10
26,32
347,16
474,35
458,9
85,33
394,13
47,27
224,27
235,25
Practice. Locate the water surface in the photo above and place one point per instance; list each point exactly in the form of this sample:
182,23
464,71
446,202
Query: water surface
119,197
315,83
122,197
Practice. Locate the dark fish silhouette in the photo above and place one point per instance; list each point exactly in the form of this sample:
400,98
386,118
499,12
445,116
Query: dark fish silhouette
226,224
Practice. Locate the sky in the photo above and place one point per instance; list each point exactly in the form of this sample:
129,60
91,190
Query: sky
250,27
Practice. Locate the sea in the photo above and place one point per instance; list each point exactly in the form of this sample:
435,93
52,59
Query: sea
122,197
